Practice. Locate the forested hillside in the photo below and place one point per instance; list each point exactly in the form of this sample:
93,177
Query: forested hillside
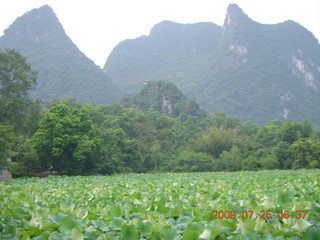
64,71
248,70
164,97
153,164
168,53
159,129
74,138
245,69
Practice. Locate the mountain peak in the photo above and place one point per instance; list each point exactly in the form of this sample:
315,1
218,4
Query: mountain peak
42,12
45,7
165,27
235,15
234,8
166,98
64,71
36,24
45,10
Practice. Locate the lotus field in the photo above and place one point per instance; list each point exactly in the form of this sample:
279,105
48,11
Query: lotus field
241,205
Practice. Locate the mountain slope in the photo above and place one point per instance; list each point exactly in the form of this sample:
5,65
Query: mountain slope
166,54
245,69
64,71
166,98
263,71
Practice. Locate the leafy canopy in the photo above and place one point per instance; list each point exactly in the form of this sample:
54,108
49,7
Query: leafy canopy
67,140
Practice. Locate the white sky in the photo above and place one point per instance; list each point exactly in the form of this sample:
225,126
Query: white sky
97,26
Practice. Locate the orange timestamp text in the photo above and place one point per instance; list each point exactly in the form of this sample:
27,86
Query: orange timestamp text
264,214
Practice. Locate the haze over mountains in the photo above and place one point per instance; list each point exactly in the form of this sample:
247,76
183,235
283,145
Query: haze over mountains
64,71
245,69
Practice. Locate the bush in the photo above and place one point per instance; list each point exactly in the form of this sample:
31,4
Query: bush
231,159
251,163
188,161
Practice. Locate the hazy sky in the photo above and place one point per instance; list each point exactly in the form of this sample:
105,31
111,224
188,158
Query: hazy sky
97,26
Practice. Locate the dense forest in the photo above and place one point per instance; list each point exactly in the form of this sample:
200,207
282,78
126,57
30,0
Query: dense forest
74,138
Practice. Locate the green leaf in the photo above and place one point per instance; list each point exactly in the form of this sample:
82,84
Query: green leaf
191,234
116,211
68,223
100,224
285,198
10,229
129,232
312,234
245,225
169,234
302,225
56,218
116,223
315,209
146,229
42,237
161,207
77,234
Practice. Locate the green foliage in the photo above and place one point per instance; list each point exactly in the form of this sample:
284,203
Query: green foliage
284,155
276,144
83,139
220,120
166,98
17,78
229,160
306,153
6,138
292,131
24,157
66,140
19,115
123,153
267,135
269,161
141,141
162,206
70,102
251,163
216,140
189,161
250,129
244,69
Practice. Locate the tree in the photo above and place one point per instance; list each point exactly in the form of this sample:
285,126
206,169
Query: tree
216,140
284,155
231,159
249,128
67,141
16,80
267,135
293,131
6,137
123,153
19,115
189,161
306,153
220,120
